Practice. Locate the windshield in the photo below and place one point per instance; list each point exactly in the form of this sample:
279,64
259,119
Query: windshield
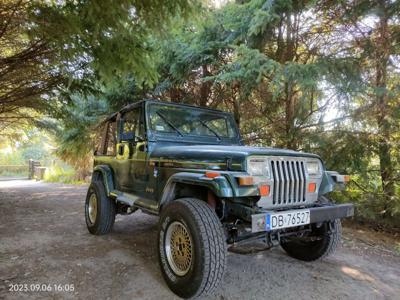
186,121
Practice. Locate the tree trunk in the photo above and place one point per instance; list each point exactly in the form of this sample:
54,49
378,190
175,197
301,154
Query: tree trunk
175,94
236,102
289,99
205,86
236,111
289,116
383,109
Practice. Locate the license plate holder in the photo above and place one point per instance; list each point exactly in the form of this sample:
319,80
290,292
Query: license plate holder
280,220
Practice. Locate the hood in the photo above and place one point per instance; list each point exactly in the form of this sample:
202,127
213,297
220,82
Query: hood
233,155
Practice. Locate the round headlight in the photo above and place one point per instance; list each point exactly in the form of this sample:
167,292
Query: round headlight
258,167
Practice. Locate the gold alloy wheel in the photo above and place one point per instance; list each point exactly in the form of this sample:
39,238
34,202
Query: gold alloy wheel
178,248
92,208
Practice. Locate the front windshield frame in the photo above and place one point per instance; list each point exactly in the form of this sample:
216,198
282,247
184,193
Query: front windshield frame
174,136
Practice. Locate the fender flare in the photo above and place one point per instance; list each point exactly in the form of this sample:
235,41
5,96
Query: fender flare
107,177
220,186
330,180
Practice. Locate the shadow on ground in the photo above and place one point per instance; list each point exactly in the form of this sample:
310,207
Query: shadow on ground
44,241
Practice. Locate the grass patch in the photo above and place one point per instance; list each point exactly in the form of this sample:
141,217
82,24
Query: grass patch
8,173
61,175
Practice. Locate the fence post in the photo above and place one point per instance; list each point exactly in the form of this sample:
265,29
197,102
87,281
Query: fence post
30,175
33,164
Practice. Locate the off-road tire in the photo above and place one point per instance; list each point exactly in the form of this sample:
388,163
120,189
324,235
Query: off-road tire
209,248
313,250
106,210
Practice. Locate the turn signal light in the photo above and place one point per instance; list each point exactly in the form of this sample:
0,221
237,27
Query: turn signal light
264,190
212,174
312,187
245,180
346,178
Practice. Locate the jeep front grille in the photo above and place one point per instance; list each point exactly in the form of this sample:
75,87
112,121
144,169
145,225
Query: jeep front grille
289,185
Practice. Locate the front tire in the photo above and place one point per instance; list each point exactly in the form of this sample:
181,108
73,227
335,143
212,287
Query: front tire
192,248
320,243
99,209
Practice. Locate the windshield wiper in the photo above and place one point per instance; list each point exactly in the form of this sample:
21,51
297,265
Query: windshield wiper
169,123
208,127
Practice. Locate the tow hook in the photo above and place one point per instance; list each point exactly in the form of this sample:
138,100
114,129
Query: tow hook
273,239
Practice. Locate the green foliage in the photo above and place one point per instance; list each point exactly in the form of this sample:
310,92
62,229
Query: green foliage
105,38
75,134
14,172
49,49
28,144
61,174
316,76
13,158
282,66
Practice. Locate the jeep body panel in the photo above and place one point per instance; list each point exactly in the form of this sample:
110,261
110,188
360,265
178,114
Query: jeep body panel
189,166
165,161
146,173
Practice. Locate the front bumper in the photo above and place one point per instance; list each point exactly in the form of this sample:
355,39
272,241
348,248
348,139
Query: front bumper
318,214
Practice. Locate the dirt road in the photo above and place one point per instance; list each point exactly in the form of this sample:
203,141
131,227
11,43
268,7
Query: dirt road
43,240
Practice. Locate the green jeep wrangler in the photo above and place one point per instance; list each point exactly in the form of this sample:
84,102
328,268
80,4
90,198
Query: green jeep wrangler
189,166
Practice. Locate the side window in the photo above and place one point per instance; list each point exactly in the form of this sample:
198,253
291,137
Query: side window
132,125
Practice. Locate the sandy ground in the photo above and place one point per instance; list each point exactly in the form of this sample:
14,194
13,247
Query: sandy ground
43,240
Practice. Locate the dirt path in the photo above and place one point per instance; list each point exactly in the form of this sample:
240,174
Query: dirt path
43,240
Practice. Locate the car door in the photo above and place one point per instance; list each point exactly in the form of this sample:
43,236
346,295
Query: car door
132,154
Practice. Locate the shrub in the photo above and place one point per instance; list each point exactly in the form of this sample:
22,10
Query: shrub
61,174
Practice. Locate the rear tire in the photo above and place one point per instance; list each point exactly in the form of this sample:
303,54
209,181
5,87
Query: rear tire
326,244
99,209
192,248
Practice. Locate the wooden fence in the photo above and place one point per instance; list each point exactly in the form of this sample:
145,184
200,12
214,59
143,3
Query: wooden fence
13,168
33,170
36,171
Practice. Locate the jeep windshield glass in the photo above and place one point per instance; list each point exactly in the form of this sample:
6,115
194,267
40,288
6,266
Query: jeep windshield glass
186,121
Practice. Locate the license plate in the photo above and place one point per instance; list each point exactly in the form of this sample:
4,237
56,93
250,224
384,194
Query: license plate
287,219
